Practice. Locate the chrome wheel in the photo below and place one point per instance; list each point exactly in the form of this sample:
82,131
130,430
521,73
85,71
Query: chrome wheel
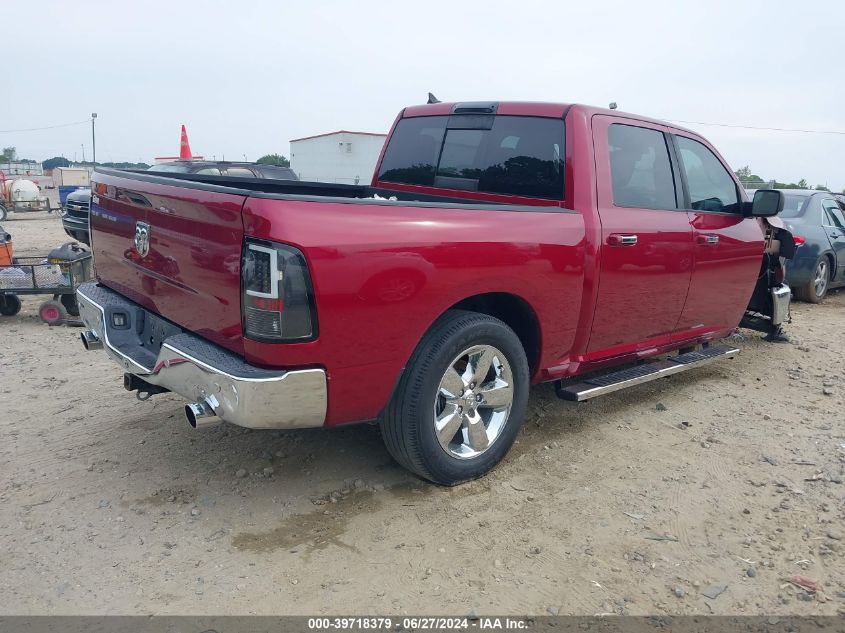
821,278
473,401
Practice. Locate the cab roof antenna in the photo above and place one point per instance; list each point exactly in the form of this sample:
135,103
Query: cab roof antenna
432,98
612,105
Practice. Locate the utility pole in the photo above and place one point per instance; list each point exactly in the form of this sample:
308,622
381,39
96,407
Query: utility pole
93,137
82,145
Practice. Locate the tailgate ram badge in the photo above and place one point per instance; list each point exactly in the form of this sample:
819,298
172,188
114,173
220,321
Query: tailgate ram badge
142,238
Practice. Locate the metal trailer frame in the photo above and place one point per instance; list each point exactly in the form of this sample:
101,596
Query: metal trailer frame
77,271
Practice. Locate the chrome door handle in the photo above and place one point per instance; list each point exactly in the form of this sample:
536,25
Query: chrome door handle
617,239
708,239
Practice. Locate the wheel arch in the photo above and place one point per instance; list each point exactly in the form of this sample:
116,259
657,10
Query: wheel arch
516,313
509,308
831,257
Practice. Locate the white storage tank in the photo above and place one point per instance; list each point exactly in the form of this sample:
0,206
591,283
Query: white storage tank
21,191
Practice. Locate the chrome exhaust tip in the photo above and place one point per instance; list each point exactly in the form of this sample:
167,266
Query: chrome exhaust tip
201,414
90,341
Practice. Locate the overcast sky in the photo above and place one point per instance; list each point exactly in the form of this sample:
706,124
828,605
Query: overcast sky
248,76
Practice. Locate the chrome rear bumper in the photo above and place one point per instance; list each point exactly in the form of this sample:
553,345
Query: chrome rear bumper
201,371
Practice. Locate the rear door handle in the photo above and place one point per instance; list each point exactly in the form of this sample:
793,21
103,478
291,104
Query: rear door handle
708,239
618,239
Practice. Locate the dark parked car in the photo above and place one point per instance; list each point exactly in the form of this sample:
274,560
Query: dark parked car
817,221
75,210
75,214
224,168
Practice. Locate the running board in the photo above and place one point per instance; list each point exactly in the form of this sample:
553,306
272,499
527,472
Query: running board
647,372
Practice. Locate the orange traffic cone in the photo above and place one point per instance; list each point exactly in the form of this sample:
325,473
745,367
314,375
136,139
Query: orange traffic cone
185,146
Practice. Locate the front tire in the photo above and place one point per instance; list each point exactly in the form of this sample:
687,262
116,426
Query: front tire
460,403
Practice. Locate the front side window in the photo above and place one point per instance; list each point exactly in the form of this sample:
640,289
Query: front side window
208,171
711,187
520,156
640,170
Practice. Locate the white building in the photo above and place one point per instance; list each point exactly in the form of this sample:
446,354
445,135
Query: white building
72,176
343,157
15,168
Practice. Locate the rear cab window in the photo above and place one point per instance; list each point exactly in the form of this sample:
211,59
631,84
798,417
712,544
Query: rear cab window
494,154
640,168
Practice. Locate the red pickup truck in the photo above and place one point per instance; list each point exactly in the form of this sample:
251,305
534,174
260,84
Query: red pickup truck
498,245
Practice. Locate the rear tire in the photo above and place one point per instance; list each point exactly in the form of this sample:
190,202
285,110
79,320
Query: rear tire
3,212
461,400
52,312
70,304
10,305
815,290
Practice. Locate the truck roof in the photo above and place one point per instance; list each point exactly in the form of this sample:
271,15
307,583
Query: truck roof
525,108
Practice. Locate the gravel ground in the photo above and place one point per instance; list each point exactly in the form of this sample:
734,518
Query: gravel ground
702,493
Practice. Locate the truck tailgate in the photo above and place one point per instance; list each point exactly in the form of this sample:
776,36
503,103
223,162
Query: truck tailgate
189,269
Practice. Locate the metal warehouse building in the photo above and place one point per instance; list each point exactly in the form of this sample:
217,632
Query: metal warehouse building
342,157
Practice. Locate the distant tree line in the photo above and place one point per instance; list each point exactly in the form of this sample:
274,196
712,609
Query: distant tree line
274,159
753,181
10,155
61,161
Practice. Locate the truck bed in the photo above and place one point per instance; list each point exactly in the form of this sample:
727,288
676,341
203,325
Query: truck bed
315,191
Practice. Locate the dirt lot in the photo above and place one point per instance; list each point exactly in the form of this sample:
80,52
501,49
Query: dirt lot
701,493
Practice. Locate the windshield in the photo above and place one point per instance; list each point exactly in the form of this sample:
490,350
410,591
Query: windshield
793,206
179,169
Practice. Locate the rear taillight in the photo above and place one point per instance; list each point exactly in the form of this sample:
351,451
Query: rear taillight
799,240
277,297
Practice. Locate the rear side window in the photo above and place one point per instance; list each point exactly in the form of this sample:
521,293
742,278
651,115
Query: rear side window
834,215
520,156
277,173
239,172
711,187
793,206
640,170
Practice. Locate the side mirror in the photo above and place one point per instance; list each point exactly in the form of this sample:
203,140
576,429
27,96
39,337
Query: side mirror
766,203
